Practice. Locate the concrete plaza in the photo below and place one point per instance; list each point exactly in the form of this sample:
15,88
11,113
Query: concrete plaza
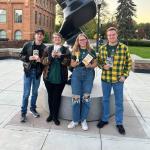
37,134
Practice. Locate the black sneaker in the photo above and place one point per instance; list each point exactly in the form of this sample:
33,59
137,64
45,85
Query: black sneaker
121,129
49,119
101,124
35,113
56,121
23,118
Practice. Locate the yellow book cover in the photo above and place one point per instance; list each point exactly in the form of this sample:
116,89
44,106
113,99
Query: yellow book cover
87,59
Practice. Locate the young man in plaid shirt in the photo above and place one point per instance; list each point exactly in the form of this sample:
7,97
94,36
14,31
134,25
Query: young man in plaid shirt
115,61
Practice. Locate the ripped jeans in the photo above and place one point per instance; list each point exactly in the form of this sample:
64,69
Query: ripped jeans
81,83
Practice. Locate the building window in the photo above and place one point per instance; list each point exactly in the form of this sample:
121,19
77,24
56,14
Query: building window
41,2
50,22
35,17
43,20
47,22
18,35
3,34
40,18
52,25
18,16
2,16
50,6
47,3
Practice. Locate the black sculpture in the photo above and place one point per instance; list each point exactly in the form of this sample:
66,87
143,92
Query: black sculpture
76,14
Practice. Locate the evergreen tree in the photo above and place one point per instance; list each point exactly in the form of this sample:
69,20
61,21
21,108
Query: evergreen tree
125,12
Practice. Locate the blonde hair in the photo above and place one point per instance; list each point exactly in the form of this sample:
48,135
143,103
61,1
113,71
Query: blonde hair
112,29
57,34
76,46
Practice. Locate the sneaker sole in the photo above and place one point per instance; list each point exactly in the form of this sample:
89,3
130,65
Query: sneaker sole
72,127
85,129
34,115
23,121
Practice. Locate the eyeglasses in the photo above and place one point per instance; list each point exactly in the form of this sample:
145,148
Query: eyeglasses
56,37
82,39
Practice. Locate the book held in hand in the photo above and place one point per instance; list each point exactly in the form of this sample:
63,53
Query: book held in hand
57,48
109,61
36,52
87,59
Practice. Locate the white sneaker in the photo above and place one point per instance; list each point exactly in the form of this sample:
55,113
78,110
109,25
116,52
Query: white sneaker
84,125
72,124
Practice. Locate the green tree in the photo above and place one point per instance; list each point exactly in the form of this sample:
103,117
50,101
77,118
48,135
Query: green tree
46,38
124,16
143,31
89,28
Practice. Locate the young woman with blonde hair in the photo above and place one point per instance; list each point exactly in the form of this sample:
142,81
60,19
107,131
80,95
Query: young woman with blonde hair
83,61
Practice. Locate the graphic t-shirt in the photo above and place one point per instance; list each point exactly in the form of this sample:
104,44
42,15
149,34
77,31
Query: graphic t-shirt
79,56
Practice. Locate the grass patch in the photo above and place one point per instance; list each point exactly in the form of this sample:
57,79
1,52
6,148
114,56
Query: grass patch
143,52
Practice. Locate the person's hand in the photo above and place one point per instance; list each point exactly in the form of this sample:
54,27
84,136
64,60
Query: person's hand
38,60
53,54
58,54
122,79
36,57
32,58
106,67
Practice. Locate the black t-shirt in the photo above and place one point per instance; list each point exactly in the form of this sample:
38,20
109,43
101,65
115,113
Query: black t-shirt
38,50
111,50
82,55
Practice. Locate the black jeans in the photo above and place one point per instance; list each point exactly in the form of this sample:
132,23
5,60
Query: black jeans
54,97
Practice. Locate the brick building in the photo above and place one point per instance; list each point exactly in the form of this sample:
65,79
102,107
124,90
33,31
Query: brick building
20,18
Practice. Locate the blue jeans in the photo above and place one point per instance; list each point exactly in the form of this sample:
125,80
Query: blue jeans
118,92
81,83
28,82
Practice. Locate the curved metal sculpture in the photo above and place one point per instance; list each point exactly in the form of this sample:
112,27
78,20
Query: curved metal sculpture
76,14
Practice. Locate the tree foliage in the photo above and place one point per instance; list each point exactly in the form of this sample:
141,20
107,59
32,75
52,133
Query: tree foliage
46,38
124,16
143,31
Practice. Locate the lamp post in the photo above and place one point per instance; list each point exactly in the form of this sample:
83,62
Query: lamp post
98,3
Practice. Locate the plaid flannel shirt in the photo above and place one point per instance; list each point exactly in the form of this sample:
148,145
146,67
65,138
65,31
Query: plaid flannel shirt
121,63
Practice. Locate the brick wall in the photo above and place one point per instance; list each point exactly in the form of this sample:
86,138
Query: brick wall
28,26
12,44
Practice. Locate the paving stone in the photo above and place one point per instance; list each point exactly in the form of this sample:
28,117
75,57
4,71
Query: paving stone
71,142
21,140
121,143
6,112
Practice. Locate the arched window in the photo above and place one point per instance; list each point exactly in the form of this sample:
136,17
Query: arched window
18,35
3,34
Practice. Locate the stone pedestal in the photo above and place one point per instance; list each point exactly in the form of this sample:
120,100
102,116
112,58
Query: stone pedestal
140,65
66,102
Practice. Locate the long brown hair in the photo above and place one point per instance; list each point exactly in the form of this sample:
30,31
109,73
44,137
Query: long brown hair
76,46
